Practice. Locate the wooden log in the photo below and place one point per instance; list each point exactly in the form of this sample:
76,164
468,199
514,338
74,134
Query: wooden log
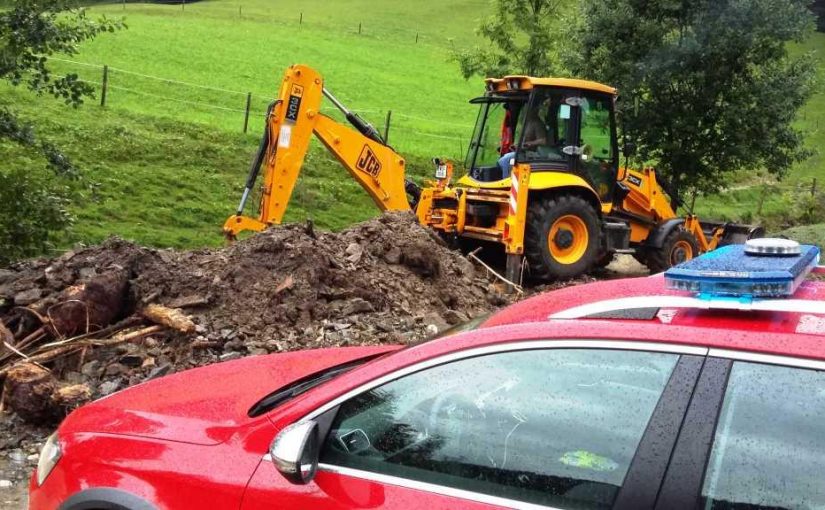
69,398
169,317
89,306
28,392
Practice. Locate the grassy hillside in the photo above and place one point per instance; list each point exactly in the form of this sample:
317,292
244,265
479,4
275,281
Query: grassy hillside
167,158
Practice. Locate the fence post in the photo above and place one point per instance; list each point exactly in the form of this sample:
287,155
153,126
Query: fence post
761,199
359,27
104,85
246,115
387,127
301,19
813,187
416,38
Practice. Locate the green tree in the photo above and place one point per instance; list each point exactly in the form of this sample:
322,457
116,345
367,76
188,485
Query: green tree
522,37
33,202
707,86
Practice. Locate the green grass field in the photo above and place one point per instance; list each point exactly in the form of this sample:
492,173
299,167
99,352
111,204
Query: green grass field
168,159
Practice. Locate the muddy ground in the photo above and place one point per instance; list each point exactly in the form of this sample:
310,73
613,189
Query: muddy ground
387,280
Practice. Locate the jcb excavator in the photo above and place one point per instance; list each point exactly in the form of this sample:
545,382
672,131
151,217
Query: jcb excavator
543,178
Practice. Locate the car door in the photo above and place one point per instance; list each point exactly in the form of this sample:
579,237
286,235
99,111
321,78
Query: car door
580,424
754,439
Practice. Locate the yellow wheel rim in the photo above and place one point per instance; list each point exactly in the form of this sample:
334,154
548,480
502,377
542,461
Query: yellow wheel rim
682,252
568,239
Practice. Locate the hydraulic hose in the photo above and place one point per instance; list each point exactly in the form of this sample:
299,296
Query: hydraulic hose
257,161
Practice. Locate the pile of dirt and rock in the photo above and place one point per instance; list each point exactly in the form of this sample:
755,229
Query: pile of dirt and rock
95,320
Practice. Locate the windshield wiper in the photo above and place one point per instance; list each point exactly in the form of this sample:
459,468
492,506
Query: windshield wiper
303,385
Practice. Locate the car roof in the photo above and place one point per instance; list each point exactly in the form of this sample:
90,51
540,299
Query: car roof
776,332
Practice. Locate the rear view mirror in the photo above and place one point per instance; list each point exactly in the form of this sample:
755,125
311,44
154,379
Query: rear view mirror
629,149
295,452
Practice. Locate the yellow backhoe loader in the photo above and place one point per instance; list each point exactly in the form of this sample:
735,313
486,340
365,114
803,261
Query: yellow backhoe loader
543,178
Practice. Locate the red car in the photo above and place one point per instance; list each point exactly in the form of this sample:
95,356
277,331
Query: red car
618,394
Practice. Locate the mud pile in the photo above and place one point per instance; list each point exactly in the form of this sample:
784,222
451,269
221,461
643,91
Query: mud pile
85,316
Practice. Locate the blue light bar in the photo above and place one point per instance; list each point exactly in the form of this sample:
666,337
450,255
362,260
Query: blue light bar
733,271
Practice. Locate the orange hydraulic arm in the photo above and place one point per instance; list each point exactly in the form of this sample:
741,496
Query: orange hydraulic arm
291,121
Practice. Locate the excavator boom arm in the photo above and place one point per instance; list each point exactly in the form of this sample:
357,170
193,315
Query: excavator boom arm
291,122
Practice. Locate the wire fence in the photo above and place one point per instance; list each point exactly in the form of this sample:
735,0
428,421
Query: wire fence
245,111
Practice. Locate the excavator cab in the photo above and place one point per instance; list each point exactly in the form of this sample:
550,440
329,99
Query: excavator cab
549,127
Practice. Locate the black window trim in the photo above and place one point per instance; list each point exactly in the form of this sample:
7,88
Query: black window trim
684,480
685,373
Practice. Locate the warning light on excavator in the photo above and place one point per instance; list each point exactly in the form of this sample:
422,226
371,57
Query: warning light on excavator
759,268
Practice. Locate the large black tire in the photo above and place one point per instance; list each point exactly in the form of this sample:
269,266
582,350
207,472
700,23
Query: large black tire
576,241
679,246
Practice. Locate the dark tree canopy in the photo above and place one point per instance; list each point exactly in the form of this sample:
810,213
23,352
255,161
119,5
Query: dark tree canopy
33,203
522,35
707,86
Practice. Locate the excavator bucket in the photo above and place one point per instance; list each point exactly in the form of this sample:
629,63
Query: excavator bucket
733,233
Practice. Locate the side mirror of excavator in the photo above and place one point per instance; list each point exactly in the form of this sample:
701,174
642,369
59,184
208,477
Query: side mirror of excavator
629,149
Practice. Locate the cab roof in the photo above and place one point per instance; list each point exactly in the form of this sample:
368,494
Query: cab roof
529,82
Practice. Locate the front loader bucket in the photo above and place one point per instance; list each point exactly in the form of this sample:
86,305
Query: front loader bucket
734,233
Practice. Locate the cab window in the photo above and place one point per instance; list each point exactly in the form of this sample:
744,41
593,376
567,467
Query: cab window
556,427
598,155
769,448
548,128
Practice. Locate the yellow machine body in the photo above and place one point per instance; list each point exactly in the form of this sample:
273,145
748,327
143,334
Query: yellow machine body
635,217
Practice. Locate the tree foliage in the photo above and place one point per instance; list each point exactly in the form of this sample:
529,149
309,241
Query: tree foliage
523,37
34,202
707,86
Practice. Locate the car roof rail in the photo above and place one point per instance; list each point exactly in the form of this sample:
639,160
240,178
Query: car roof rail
647,307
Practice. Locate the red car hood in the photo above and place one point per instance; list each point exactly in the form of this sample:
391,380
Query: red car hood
204,405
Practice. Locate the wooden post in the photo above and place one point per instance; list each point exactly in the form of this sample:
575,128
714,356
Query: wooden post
416,38
104,86
387,127
301,19
246,115
240,10
359,27
813,187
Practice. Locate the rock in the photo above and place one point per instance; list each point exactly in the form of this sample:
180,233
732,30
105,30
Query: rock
28,296
229,356
91,368
131,360
6,484
454,317
357,305
115,369
354,252
159,371
109,387
431,329
6,275
393,255
86,273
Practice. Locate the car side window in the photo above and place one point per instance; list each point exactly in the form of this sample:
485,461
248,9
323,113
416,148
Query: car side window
769,448
555,427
